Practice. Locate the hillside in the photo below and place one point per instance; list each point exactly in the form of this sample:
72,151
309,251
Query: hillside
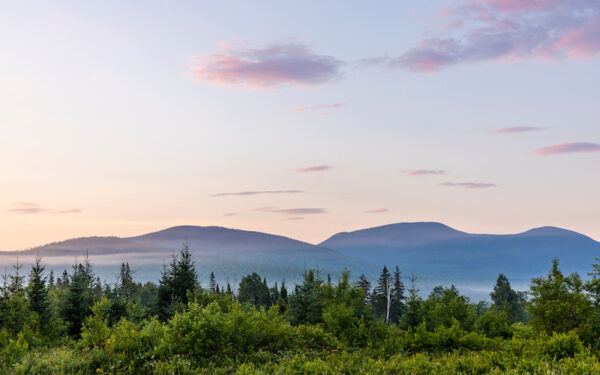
437,253
230,253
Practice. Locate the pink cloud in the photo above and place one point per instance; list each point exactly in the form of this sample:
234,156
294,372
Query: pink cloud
508,30
516,129
316,168
377,211
260,192
230,214
569,148
317,107
294,218
32,208
469,185
69,211
424,172
274,66
293,211
300,211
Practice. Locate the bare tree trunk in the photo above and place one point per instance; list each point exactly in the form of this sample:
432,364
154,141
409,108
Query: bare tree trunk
389,302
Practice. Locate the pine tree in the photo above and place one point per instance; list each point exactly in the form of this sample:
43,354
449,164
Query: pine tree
78,299
17,281
306,304
283,293
166,294
397,298
505,298
177,280
413,314
37,292
212,283
379,297
126,281
185,278
51,280
253,291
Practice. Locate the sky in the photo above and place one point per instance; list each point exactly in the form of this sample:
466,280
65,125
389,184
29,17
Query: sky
302,119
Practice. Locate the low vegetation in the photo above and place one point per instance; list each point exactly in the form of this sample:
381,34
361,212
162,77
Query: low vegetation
75,325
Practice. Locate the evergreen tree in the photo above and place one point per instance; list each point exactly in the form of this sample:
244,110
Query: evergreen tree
165,302
306,303
78,298
558,303
253,291
177,280
185,278
17,281
397,298
126,281
364,284
379,297
283,293
212,283
505,298
37,292
593,286
51,280
413,314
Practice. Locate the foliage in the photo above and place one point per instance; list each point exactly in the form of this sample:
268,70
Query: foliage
320,328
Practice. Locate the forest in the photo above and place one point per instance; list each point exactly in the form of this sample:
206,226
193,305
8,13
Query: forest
73,323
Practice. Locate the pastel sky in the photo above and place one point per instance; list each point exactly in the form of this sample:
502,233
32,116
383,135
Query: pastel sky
297,118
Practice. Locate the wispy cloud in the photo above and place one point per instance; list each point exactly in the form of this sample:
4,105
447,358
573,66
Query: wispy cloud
468,185
32,208
516,129
274,66
569,148
293,211
259,192
425,172
377,211
230,214
70,211
294,218
480,30
318,107
315,168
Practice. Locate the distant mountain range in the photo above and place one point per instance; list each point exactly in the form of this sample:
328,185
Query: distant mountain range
435,253
438,254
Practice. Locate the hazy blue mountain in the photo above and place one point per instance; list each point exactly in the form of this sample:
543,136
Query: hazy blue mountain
438,254
435,253
230,253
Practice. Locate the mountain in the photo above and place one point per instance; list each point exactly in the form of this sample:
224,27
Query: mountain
230,253
438,254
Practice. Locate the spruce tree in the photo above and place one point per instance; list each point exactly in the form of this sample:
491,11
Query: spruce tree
51,280
78,298
185,278
37,292
253,291
363,283
413,314
17,281
283,293
379,297
306,304
398,298
212,283
505,298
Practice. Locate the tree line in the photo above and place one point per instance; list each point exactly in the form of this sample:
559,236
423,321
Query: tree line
77,310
